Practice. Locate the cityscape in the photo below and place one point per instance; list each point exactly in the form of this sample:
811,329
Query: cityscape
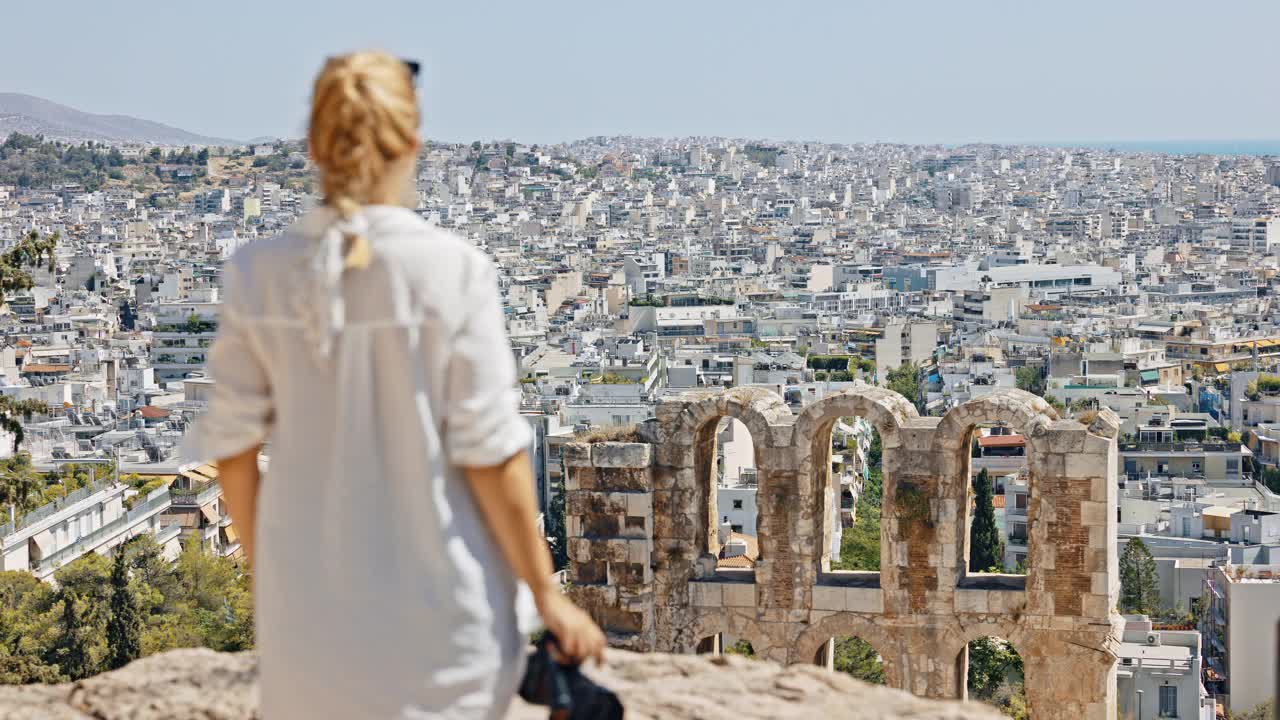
637,270
917,414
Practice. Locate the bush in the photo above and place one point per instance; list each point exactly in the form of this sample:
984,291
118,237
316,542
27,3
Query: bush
829,362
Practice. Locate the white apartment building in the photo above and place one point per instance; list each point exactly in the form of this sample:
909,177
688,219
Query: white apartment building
1158,673
1256,235
182,336
92,519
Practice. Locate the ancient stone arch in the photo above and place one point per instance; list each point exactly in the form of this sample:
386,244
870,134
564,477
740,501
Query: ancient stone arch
812,638
638,521
887,411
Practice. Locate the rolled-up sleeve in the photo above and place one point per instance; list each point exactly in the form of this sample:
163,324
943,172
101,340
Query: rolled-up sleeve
483,426
240,407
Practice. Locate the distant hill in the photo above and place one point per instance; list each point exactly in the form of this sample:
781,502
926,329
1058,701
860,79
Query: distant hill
35,116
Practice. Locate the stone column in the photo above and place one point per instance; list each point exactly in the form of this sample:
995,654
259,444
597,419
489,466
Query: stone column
609,523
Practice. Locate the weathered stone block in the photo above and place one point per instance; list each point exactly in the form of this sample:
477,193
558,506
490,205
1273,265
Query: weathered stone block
1101,584
1093,513
576,455
621,455
1095,605
971,601
640,504
1085,465
864,600
828,598
739,595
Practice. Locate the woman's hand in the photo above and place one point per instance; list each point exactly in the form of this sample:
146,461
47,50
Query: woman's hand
577,636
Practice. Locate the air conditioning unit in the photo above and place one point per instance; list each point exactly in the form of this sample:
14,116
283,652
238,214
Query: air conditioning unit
1153,639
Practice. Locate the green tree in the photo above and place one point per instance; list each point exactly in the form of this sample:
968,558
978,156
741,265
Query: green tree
1139,583
742,647
992,662
854,656
1031,379
27,669
30,251
124,628
986,550
905,380
875,450
557,531
860,544
20,485
74,652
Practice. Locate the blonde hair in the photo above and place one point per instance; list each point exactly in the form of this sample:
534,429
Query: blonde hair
364,115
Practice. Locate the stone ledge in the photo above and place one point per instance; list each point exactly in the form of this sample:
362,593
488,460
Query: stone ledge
207,685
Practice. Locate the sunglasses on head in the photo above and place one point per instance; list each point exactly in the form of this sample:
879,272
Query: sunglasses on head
414,67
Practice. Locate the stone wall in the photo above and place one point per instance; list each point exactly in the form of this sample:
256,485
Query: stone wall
629,501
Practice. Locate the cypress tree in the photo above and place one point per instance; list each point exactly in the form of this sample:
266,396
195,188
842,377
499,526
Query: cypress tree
73,651
985,547
124,628
1139,582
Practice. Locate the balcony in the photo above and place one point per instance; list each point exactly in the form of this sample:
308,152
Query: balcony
52,508
196,496
155,502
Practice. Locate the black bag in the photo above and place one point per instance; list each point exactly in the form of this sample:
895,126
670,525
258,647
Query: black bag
563,688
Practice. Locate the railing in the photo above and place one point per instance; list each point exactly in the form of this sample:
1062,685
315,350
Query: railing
1167,664
196,496
168,533
52,508
156,500
1180,447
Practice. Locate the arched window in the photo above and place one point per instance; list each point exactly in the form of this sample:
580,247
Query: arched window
993,673
997,536
726,464
853,656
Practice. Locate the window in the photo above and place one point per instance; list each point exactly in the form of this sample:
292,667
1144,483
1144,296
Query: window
737,504
1233,466
1195,466
1168,701
736,528
1020,501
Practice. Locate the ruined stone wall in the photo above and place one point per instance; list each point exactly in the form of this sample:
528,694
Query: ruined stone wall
641,543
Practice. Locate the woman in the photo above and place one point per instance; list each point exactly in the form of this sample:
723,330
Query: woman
399,509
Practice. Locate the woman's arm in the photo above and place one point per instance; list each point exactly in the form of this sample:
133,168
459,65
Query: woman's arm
504,494
239,478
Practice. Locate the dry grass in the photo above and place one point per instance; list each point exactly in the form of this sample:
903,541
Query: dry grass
610,433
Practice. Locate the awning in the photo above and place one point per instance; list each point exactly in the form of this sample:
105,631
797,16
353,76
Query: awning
1149,375
1222,367
232,536
41,541
209,514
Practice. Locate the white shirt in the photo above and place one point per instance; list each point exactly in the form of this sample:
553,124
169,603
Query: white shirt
380,592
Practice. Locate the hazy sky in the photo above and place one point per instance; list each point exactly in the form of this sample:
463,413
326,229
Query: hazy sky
842,70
